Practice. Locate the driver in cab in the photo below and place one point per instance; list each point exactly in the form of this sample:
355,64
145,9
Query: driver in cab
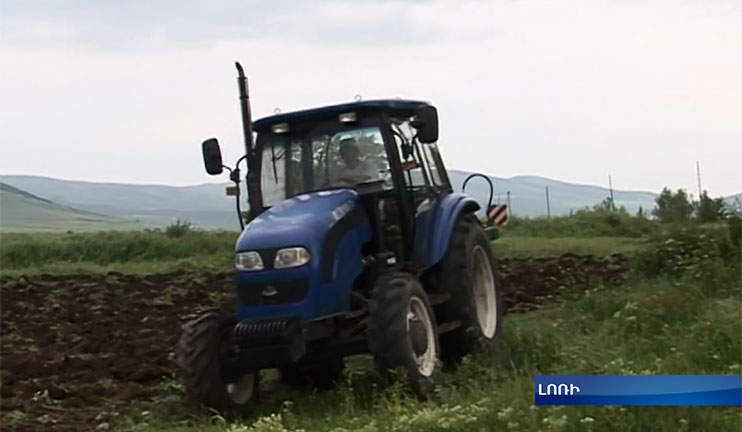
354,170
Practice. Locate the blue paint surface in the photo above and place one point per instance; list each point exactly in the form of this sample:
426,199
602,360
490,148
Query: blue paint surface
304,221
434,224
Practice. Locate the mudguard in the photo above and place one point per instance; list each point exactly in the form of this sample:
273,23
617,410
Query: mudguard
434,223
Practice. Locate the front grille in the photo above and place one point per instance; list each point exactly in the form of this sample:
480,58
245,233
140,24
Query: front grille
273,293
278,338
261,329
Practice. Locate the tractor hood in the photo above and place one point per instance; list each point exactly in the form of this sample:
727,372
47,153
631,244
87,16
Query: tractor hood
302,220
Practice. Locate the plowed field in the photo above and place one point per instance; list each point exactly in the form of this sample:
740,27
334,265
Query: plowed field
76,348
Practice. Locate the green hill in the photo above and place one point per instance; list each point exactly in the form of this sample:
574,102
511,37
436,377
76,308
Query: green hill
24,211
206,205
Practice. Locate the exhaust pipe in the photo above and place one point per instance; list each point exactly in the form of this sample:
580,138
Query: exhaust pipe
246,114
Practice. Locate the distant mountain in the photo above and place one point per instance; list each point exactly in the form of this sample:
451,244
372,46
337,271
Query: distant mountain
528,194
207,206
24,211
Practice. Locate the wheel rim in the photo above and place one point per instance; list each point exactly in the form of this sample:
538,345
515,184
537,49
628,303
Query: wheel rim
484,292
242,390
418,312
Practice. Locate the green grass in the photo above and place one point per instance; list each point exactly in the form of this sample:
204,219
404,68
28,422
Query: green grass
659,326
520,246
142,252
584,223
124,251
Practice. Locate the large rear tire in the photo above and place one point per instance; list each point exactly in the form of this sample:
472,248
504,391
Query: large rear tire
467,273
205,343
402,332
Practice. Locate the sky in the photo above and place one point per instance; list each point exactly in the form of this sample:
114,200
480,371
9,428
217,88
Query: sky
571,90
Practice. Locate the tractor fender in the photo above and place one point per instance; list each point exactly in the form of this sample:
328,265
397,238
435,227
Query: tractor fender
434,225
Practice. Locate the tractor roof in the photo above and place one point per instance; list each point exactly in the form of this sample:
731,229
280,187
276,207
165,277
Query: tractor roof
398,106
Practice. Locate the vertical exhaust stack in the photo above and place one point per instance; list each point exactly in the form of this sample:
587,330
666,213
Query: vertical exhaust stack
246,114
254,196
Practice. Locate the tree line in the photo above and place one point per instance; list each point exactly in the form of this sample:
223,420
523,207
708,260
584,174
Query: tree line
677,207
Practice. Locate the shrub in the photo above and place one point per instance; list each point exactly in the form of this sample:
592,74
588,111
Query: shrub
734,225
704,253
178,228
598,221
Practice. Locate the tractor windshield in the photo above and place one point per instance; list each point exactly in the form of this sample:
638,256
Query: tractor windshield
298,163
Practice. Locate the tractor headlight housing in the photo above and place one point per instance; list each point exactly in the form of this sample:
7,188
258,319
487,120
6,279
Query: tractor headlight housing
248,261
291,257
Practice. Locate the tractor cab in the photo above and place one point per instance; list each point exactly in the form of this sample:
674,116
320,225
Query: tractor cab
384,151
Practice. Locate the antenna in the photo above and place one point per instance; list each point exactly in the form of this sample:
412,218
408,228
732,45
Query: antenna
610,187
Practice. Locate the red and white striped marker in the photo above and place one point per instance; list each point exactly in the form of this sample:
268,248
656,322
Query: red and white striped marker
498,214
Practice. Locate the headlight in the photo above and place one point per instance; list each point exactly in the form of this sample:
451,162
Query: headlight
291,257
248,261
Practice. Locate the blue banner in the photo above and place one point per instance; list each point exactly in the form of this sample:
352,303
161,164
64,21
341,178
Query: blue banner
638,390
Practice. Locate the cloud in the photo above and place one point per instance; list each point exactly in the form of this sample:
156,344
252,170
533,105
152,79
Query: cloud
138,24
572,89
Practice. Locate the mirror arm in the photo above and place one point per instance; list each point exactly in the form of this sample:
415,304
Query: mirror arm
234,175
243,157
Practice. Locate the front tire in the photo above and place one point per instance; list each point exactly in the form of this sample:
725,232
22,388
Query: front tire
467,273
402,332
204,345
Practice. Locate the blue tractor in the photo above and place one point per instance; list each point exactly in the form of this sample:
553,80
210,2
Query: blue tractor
354,242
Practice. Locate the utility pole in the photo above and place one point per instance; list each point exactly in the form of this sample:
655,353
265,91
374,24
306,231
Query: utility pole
610,187
548,206
698,174
510,209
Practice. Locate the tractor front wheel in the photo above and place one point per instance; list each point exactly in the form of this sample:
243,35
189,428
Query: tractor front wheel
402,333
205,344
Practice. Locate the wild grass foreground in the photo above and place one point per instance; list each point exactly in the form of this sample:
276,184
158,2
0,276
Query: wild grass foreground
679,313
690,324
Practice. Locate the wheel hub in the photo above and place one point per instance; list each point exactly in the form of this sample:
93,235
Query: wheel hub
484,292
418,337
422,336
241,391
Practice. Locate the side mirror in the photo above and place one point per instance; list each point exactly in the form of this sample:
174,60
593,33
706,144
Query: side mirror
212,156
426,123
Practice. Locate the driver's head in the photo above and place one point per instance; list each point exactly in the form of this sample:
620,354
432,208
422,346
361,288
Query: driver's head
350,152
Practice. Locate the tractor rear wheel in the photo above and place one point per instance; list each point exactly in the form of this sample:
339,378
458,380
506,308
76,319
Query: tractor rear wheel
205,344
467,273
402,332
